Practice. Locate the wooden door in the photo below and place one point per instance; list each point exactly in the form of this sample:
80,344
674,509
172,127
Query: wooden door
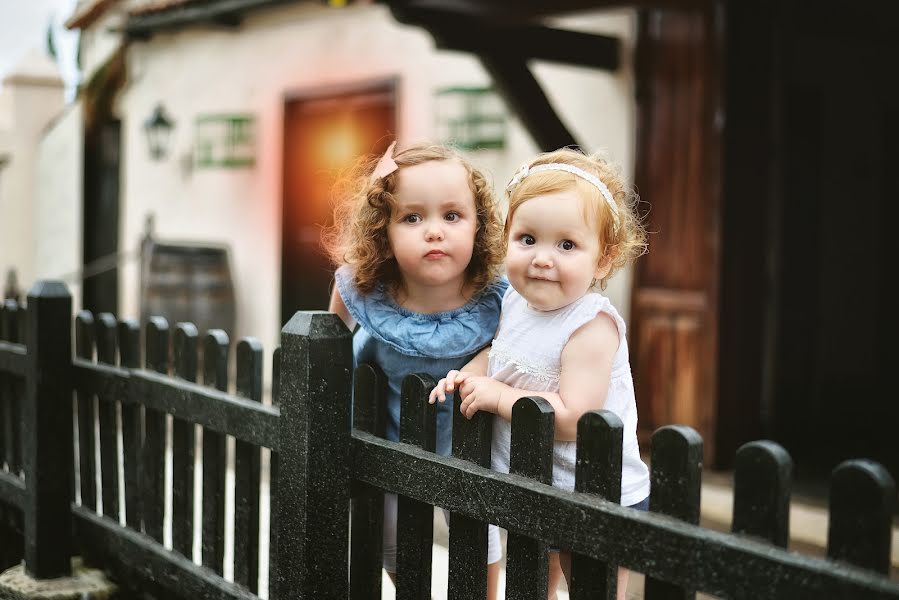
324,134
674,296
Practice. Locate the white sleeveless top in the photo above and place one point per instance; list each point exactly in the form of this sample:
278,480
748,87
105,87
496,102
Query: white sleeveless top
527,353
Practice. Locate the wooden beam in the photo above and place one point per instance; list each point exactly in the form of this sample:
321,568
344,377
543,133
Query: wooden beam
228,13
524,11
521,91
472,33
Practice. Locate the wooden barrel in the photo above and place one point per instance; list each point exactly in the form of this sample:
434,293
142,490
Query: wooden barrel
188,283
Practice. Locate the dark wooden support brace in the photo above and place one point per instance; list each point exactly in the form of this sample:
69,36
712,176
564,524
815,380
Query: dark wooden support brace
521,91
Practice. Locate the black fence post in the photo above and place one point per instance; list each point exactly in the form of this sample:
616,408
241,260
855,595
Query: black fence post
862,499
676,482
762,476
313,484
468,546
366,551
600,435
415,520
533,427
47,420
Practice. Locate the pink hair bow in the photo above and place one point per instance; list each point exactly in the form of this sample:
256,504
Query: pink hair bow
386,165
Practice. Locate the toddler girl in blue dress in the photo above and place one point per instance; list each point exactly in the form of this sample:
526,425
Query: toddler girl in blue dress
419,244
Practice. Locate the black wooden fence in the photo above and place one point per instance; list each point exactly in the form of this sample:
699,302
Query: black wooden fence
319,461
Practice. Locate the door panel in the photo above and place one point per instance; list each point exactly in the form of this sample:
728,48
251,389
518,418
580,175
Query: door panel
675,286
323,135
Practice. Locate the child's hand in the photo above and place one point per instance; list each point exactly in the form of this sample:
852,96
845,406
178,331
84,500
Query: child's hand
447,385
480,393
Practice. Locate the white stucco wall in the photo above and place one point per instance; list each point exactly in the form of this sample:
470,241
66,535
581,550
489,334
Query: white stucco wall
303,48
58,206
33,97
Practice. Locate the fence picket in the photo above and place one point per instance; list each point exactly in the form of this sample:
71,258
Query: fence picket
247,472
215,374
762,477
273,486
676,482
862,501
369,414
415,520
5,420
600,436
468,537
533,427
183,447
106,412
153,455
132,425
14,390
84,348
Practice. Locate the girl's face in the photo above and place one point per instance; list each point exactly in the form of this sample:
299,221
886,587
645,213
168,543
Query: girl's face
553,253
432,228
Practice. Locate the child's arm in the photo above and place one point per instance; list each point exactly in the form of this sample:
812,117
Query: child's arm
475,367
586,371
337,307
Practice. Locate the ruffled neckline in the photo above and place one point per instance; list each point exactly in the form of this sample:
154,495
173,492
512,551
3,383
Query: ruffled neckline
449,334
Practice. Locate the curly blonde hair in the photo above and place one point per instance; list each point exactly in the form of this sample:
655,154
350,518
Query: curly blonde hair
363,208
618,244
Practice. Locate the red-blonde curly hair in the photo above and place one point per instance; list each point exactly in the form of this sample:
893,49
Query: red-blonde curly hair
363,208
618,244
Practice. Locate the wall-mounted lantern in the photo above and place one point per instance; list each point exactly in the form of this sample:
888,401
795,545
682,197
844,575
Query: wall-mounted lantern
158,126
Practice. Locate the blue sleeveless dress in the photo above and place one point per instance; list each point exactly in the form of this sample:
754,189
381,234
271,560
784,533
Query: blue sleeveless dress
402,342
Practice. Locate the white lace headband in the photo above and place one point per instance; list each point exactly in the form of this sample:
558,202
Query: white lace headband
597,183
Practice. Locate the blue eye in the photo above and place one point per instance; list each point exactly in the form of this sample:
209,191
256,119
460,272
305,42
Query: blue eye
567,245
413,218
528,240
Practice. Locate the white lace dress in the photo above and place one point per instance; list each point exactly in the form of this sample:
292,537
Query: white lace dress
526,354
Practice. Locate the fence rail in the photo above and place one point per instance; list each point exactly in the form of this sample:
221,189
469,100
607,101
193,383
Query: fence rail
325,468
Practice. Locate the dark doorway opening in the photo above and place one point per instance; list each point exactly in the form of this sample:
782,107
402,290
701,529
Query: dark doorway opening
324,133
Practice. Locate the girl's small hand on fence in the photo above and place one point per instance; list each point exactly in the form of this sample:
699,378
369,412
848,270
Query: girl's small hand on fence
480,393
447,385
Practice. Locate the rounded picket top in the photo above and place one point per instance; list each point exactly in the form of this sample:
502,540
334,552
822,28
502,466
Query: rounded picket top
156,353
215,358
600,435
862,501
676,475
762,478
599,420
532,405
216,336
249,345
678,439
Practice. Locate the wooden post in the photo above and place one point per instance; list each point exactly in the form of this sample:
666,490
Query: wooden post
862,500
47,420
533,426
600,435
366,552
247,472
762,492
414,519
468,537
313,480
676,480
